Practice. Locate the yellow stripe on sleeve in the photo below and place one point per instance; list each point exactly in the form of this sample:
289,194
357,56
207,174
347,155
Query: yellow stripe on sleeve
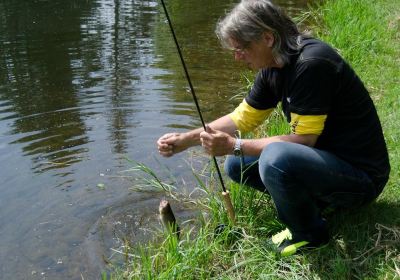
247,118
308,124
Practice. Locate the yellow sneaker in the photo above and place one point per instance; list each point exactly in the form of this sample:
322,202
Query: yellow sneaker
281,236
285,244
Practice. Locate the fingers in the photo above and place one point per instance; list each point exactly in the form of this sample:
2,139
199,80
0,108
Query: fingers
166,152
206,140
165,149
215,142
165,144
208,135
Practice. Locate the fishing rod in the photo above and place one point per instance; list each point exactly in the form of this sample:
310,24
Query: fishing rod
225,193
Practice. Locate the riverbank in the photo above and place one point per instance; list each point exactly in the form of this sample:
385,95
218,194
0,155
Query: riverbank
364,245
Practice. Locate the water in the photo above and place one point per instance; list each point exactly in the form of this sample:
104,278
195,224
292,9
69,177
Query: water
84,84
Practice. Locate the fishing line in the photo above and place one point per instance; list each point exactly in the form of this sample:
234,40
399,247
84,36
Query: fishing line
191,88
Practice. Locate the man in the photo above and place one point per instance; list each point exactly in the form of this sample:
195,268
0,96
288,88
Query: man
335,155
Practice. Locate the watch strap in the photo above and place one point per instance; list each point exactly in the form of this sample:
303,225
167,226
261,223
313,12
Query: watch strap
237,149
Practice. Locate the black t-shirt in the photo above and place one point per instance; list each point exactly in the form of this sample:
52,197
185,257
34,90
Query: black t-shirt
317,81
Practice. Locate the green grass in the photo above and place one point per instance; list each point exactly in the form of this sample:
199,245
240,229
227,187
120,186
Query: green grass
365,243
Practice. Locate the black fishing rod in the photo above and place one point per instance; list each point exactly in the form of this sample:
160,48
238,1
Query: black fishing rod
225,193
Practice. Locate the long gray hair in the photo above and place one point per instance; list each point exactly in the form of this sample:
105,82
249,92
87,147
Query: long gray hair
249,19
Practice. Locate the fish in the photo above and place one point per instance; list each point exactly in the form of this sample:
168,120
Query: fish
167,218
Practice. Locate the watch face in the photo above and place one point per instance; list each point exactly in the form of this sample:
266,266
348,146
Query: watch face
237,152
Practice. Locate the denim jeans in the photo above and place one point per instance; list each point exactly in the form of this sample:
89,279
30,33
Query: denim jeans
302,181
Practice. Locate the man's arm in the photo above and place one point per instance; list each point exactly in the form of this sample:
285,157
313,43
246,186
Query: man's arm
173,143
218,143
254,147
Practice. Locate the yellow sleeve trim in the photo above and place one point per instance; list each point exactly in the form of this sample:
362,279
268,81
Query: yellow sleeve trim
301,124
247,118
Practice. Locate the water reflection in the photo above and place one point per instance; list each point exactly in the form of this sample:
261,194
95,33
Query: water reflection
43,107
82,83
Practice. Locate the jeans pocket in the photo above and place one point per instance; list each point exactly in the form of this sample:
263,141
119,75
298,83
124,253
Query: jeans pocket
344,200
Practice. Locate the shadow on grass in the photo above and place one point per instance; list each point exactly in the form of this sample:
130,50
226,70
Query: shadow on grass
365,244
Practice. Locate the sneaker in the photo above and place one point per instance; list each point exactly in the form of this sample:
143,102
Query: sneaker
285,244
278,238
291,247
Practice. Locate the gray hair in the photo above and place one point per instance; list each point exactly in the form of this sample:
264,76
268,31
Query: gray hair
249,19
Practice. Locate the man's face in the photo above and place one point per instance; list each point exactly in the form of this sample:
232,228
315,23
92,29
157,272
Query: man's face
257,54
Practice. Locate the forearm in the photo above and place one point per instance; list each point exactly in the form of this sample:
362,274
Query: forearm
254,147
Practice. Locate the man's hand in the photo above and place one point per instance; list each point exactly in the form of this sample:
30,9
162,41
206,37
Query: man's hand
172,143
216,143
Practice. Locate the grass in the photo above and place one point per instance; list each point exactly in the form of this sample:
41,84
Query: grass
365,243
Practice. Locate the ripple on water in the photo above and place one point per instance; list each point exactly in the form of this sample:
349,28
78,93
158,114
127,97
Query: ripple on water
132,223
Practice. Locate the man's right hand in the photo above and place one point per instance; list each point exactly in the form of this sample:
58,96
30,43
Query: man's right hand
172,143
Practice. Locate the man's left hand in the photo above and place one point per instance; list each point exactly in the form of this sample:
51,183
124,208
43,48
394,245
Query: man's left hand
216,142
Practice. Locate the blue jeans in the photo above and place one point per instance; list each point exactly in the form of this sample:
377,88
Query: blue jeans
302,181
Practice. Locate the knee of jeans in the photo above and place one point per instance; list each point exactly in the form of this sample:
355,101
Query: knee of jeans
232,168
275,158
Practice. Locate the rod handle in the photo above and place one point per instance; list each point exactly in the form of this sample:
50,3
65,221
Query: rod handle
229,207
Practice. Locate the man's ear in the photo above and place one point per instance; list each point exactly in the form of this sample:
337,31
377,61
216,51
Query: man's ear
269,38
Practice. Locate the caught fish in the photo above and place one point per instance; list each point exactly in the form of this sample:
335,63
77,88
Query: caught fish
167,217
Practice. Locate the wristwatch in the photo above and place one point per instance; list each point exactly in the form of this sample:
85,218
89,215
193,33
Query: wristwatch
237,149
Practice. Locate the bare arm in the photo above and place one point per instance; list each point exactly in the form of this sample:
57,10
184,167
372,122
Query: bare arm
172,143
219,140
218,143
254,147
